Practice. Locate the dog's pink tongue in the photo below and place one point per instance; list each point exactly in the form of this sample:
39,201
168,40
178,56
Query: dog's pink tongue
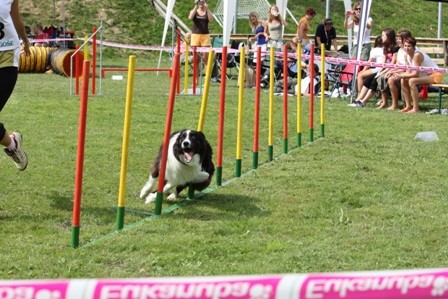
187,157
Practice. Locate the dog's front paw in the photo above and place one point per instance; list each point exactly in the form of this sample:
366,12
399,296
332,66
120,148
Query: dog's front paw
172,197
151,198
144,192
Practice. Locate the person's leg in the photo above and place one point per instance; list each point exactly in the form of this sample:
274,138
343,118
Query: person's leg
365,51
393,93
12,142
384,96
406,93
369,94
8,77
5,139
361,77
413,83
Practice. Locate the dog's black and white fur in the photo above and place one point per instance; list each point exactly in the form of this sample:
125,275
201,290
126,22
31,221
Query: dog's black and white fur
189,161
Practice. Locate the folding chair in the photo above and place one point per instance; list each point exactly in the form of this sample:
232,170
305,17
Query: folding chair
217,42
340,76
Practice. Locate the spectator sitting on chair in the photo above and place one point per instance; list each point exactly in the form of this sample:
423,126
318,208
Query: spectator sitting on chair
367,76
40,35
368,83
412,78
393,82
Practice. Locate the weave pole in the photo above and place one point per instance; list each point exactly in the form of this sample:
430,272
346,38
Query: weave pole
195,70
239,135
204,102
285,99
271,105
166,137
208,74
257,109
94,61
186,68
222,104
311,75
80,154
77,70
299,95
322,90
178,41
125,144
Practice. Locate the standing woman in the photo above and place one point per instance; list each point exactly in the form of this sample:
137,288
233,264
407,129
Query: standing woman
259,39
351,21
11,27
303,27
200,36
274,28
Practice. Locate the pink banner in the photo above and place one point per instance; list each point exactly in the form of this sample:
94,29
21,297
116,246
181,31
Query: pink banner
224,288
394,285
34,290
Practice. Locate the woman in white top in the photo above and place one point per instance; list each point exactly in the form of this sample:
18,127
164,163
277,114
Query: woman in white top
393,80
273,29
367,75
351,21
11,27
412,78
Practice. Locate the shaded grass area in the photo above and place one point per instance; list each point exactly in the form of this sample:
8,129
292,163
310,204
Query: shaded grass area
367,196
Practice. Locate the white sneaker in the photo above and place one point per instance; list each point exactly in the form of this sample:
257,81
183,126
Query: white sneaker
356,104
18,155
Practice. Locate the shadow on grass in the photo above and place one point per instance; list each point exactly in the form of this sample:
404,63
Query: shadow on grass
220,207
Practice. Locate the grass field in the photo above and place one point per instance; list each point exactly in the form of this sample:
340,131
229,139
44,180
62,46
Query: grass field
366,196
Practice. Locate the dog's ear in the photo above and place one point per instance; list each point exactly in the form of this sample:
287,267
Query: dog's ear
201,134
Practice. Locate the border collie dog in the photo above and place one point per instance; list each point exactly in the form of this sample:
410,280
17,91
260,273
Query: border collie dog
189,161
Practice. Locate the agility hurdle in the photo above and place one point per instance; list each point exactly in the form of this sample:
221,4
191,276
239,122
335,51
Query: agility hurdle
75,59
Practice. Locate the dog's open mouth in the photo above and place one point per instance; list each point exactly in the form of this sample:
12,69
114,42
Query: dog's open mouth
188,156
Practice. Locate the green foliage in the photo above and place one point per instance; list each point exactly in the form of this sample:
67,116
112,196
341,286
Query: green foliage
367,196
